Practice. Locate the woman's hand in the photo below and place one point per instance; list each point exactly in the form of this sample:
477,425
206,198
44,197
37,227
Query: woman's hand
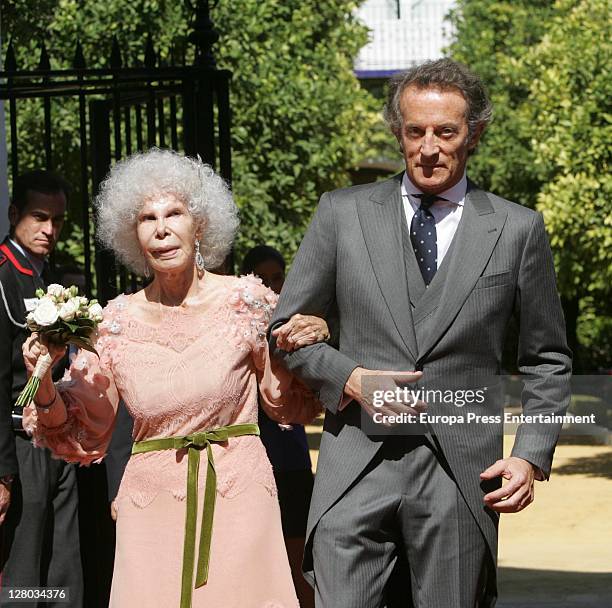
301,330
34,347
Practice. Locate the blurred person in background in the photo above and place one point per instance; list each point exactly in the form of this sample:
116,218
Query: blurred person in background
287,448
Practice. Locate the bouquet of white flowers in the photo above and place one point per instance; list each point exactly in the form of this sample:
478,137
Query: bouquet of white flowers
63,317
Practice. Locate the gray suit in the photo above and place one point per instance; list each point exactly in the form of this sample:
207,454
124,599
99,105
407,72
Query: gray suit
356,259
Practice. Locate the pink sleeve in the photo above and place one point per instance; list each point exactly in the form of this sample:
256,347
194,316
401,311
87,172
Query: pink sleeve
90,398
283,397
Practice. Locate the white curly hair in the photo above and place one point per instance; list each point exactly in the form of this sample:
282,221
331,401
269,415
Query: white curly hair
138,177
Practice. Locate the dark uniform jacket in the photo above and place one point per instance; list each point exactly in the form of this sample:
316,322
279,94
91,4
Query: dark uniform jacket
18,281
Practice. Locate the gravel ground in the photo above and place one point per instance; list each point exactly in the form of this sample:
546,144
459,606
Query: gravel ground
558,552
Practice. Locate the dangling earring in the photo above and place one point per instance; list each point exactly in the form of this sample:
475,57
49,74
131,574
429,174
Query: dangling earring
199,260
147,271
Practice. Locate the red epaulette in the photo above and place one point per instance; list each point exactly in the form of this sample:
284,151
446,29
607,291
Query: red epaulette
6,253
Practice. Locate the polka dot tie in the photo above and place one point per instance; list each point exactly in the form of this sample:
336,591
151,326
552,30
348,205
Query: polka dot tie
424,238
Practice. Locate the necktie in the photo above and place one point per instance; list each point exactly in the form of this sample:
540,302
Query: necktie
424,238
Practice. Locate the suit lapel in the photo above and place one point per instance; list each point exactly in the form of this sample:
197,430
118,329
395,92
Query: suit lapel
24,266
476,236
380,215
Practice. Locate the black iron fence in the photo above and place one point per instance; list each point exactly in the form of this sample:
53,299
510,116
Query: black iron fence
122,109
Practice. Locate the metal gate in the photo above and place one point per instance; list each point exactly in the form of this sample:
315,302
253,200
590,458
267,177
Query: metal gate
121,110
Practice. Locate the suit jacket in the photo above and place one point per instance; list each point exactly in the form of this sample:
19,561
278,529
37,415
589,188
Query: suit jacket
18,281
356,260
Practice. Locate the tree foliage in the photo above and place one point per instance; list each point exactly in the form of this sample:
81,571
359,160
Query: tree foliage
489,36
546,65
299,117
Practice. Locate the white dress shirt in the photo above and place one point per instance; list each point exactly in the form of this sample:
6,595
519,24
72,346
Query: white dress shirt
446,213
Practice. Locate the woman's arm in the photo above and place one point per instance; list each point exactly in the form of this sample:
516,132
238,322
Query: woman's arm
75,417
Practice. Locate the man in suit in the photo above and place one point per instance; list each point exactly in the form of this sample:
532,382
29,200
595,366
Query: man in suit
425,272
39,541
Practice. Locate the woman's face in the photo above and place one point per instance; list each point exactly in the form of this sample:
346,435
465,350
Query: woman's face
166,232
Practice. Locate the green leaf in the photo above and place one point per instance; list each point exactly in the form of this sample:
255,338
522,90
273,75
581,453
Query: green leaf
83,343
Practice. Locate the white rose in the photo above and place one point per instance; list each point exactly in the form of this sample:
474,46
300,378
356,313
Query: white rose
46,313
81,304
55,290
30,321
68,310
95,313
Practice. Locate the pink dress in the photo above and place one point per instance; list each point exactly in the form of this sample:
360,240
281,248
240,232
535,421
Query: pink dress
180,371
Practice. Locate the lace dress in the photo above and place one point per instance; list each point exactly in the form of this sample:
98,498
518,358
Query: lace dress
188,370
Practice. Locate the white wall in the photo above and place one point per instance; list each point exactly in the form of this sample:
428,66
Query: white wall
419,34
4,195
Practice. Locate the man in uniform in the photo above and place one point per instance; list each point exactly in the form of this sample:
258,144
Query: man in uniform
39,541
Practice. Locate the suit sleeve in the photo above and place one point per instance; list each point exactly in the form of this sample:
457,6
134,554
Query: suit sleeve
543,355
8,456
310,289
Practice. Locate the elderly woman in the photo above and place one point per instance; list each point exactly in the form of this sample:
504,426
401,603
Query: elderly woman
187,355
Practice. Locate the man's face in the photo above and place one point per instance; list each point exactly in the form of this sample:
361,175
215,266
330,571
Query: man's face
39,224
434,137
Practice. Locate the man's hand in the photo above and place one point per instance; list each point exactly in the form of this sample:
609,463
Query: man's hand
378,381
518,493
301,330
5,500
113,510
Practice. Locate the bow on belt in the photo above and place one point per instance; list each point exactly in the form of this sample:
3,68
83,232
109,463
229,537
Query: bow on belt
194,443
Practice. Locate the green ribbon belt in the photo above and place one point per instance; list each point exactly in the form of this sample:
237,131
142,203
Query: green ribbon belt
194,443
